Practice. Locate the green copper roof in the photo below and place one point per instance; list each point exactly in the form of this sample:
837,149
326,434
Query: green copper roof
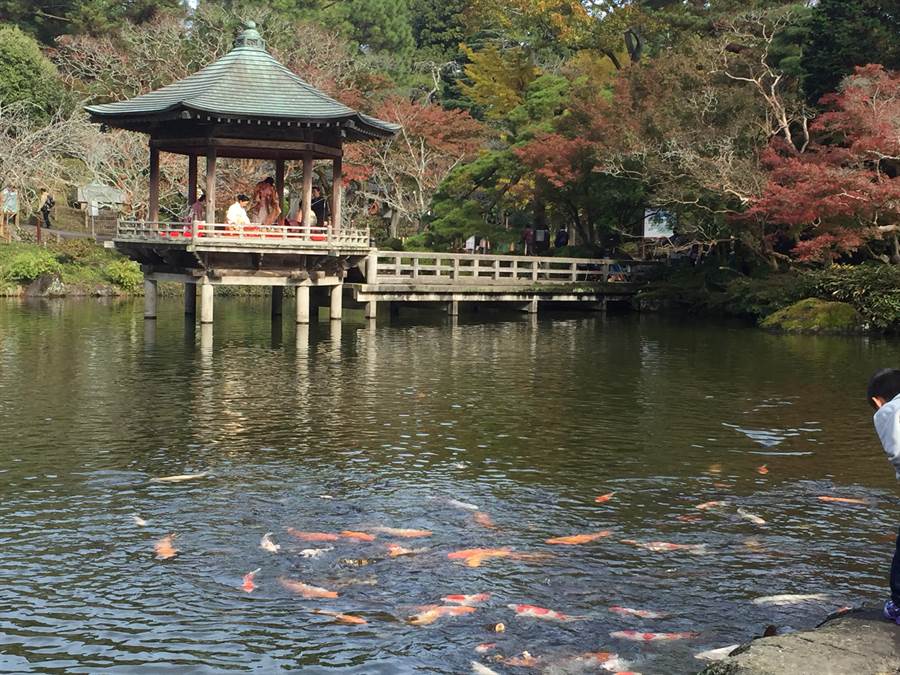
246,83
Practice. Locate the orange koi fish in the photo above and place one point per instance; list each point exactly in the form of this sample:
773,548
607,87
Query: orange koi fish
306,590
525,660
343,618
541,613
638,636
689,517
358,536
248,584
467,600
843,500
665,546
714,468
164,548
485,647
432,613
602,499
402,533
483,519
722,485
579,538
641,613
762,470
312,536
396,550
473,557
710,505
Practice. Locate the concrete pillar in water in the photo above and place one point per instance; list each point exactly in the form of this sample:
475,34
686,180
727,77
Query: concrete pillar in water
531,306
303,304
372,309
453,308
207,295
337,299
190,299
150,291
277,300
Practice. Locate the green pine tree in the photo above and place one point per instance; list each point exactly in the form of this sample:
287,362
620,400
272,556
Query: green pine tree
27,76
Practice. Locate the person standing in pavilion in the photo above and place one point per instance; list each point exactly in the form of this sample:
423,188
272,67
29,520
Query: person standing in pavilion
266,208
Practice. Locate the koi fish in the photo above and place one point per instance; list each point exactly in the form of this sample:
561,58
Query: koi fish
483,519
432,613
402,533
525,660
689,517
358,536
140,522
642,613
705,506
762,470
535,612
164,548
248,584
485,647
716,654
843,500
180,478
789,599
602,499
396,550
267,544
473,557
714,468
467,600
665,546
638,636
579,538
722,485
481,669
315,552
312,536
343,618
306,590
752,517
455,503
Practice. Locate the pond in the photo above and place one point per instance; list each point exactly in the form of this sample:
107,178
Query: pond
495,432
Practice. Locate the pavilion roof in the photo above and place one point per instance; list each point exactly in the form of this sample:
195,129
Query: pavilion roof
245,85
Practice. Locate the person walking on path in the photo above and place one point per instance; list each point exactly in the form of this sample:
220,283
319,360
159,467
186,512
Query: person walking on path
884,395
528,239
46,204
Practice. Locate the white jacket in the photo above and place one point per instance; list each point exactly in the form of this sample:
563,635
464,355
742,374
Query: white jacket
887,424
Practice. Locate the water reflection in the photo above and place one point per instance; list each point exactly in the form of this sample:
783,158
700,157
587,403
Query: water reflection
357,427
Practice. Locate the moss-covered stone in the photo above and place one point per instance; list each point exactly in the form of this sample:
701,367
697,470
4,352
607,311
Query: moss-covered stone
815,316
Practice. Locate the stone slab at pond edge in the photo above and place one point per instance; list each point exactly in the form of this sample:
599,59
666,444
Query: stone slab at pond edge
857,642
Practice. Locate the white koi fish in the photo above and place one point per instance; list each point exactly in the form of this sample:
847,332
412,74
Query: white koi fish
481,669
268,544
752,517
315,552
456,504
789,599
140,522
180,478
716,654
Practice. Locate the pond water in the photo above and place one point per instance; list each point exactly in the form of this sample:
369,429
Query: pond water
360,429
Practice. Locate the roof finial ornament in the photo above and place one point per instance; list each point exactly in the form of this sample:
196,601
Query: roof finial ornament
250,37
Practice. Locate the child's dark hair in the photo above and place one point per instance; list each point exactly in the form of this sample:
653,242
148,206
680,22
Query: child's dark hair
885,384
243,198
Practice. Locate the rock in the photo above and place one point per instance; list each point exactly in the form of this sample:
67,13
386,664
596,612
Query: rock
859,641
815,316
47,286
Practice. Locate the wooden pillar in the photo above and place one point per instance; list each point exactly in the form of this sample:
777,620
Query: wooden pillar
303,304
192,180
337,299
211,188
207,297
150,291
153,202
190,299
307,187
337,195
279,184
277,300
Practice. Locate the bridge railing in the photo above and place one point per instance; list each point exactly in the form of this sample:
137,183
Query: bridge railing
250,236
462,268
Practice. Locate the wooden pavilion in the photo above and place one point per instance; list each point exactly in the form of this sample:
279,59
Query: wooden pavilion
244,105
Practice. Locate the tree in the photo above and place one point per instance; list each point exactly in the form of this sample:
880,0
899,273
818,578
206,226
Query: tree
497,79
438,27
848,33
844,189
27,77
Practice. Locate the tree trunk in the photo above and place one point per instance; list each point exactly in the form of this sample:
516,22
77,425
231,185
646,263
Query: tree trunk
394,228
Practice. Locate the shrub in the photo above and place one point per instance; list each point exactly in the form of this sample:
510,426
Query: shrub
77,251
27,266
873,289
125,274
815,316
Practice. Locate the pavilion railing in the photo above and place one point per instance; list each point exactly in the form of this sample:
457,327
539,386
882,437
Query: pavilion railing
251,236
465,268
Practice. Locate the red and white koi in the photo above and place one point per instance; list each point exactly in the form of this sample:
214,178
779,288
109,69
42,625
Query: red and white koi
705,506
762,470
641,613
638,636
248,584
843,500
431,613
396,550
665,546
305,590
467,600
535,612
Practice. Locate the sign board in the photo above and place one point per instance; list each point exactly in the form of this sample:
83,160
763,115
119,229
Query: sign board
97,194
9,201
658,224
